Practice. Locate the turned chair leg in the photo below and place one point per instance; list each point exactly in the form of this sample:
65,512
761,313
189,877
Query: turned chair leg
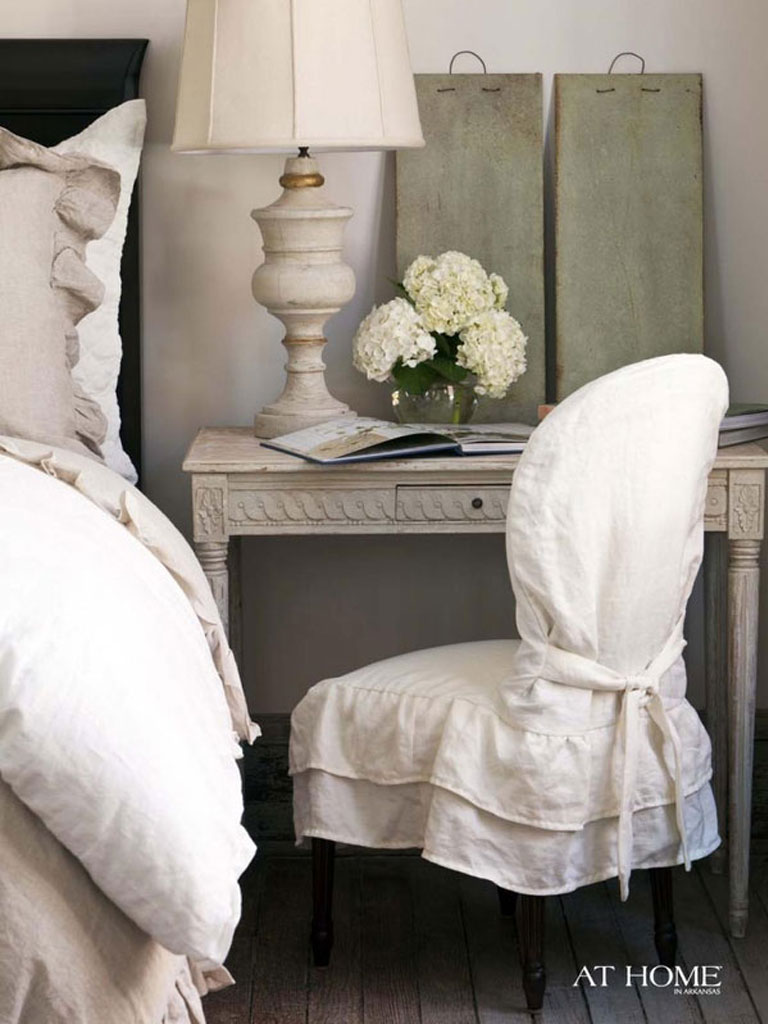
323,851
664,931
532,942
507,901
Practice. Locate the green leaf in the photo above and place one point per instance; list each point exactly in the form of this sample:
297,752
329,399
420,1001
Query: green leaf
400,287
443,344
414,379
448,369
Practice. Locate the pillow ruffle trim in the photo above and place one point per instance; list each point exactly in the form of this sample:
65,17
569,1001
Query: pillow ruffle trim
85,208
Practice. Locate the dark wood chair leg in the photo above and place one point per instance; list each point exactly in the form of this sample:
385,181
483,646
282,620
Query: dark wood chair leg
507,901
664,931
532,943
323,857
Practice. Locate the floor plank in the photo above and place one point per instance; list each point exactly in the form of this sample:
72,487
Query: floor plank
281,944
390,980
445,987
597,940
635,922
751,952
702,942
336,992
493,956
232,1005
564,1003
416,944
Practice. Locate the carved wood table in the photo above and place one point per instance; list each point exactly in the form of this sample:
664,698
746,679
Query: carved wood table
241,489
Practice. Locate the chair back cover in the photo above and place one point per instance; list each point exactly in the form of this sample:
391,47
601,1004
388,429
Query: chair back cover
605,535
605,525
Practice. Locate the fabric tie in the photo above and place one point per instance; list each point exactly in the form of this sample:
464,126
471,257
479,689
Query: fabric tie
641,690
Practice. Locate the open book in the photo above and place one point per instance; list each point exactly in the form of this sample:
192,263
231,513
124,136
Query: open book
360,439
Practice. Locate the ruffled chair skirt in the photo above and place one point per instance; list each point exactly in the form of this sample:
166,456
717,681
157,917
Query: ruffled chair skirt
517,782
452,832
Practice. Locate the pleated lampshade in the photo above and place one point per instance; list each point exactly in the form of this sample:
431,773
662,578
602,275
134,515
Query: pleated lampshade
273,75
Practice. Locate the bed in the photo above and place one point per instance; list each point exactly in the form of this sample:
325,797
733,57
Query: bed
120,704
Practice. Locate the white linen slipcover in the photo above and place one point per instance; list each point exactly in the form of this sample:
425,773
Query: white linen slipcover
120,701
572,755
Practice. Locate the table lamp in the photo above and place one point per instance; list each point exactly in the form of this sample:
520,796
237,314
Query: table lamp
297,77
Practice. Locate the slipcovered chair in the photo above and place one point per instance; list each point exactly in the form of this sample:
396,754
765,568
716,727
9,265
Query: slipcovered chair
571,755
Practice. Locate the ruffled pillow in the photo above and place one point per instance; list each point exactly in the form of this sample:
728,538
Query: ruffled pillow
51,206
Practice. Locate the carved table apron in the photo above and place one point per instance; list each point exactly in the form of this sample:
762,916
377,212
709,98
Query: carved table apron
240,488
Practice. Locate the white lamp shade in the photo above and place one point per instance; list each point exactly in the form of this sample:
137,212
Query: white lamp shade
273,75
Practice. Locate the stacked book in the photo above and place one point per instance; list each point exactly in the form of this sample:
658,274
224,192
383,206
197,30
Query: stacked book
743,423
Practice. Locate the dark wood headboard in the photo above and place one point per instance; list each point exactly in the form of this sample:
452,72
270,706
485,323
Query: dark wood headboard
51,89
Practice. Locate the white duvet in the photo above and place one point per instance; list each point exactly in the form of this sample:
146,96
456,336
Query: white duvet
120,703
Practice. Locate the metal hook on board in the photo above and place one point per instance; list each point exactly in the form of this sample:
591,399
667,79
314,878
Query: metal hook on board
627,53
471,53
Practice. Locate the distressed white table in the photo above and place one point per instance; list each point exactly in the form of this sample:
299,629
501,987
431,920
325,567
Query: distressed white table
241,489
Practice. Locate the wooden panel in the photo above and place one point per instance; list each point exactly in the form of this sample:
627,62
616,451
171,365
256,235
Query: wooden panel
477,186
628,183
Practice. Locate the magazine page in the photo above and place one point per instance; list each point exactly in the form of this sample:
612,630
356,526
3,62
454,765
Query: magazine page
347,435
489,436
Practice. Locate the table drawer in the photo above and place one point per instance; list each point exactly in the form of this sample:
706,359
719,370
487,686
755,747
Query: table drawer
451,504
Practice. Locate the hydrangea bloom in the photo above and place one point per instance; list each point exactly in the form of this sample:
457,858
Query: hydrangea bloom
500,290
493,348
450,290
391,332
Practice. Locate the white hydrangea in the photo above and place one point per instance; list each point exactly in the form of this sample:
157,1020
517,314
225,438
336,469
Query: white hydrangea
391,332
500,290
493,348
450,290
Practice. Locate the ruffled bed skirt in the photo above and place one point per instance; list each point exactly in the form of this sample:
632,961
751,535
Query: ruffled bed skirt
454,833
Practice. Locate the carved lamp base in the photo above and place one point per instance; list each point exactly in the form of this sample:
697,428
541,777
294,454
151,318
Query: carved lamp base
303,281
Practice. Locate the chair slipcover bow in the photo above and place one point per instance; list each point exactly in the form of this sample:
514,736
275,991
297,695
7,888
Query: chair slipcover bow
640,690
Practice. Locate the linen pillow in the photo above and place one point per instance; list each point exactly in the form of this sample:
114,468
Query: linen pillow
115,139
51,206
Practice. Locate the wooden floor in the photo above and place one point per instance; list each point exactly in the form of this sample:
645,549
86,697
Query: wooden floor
416,944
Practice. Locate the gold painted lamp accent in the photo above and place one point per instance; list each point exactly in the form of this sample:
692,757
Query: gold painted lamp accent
264,77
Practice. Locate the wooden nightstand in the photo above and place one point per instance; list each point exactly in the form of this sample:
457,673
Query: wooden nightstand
241,489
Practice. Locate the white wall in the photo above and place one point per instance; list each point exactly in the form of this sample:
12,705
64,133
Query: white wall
211,355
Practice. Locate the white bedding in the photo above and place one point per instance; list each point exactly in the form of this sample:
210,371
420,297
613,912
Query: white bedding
116,728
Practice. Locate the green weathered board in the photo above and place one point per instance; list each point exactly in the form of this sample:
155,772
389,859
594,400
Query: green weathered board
629,239
477,187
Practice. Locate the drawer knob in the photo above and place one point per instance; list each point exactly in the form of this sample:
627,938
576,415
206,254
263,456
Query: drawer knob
477,503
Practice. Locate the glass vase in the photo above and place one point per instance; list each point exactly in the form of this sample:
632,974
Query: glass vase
441,403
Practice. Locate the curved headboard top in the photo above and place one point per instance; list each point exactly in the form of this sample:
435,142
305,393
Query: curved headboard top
51,89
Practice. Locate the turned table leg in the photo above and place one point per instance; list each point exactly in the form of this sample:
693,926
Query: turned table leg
212,555
716,682
743,594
